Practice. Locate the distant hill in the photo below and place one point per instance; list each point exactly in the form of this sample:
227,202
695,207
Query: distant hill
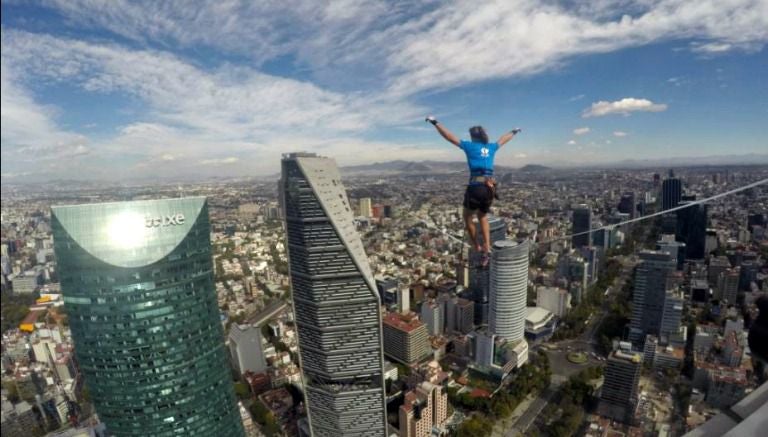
531,168
427,167
404,167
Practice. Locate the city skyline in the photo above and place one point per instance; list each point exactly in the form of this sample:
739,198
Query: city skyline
119,90
291,274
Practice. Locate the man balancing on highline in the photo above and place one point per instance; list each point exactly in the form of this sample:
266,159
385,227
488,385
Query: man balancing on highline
481,188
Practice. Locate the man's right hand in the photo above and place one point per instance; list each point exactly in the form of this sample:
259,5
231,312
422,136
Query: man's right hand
432,120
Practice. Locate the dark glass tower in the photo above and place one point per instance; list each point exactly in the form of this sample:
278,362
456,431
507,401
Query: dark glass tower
582,222
479,281
692,229
651,279
627,204
618,396
671,193
337,307
137,280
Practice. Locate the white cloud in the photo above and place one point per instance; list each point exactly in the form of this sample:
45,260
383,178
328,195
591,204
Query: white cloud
520,155
624,106
619,133
571,142
716,48
581,131
443,48
197,111
220,161
29,130
576,97
190,113
415,46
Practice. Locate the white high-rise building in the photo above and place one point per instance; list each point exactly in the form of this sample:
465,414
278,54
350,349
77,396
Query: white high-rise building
509,287
432,314
336,303
553,299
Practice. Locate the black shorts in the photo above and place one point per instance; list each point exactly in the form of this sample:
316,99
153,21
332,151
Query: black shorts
478,196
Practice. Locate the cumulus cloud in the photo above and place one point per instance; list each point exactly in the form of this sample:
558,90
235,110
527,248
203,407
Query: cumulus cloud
443,48
619,133
29,131
415,46
190,112
624,106
572,142
581,131
359,66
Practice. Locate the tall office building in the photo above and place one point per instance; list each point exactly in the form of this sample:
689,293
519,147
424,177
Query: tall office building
459,315
692,230
366,209
717,265
618,397
433,314
728,285
581,222
137,280
676,249
671,319
509,289
553,299
478,276
651,284
627,204
246,349
671,192
336,304
406,339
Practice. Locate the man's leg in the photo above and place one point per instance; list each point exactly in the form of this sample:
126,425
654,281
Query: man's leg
469,224
485,229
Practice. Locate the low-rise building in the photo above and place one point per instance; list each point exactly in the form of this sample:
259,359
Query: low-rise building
406,339
539,324
424,408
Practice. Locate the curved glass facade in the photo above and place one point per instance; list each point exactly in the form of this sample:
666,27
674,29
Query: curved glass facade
137,280
509,288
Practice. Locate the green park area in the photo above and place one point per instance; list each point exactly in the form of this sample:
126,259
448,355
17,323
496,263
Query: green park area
577,357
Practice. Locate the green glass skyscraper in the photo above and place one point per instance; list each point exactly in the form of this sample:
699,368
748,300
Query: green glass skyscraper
137,280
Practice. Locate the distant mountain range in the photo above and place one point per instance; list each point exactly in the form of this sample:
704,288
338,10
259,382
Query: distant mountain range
423,167
441,167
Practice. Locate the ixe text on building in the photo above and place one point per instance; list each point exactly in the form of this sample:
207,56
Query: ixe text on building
164,220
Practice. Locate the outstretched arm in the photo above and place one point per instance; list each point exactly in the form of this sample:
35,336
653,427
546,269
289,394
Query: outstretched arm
445,133
504,139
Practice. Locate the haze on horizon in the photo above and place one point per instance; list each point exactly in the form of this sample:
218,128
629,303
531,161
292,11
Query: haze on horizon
118,90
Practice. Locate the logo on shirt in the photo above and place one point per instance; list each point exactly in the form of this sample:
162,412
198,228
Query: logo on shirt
484,152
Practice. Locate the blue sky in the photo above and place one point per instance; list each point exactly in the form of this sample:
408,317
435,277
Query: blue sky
124,89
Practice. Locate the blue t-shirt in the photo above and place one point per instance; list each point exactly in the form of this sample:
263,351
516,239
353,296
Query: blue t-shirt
479,157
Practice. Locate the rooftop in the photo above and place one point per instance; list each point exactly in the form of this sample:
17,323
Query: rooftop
404,322
536,314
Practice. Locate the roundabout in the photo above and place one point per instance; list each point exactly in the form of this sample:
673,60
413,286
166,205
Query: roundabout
577,357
